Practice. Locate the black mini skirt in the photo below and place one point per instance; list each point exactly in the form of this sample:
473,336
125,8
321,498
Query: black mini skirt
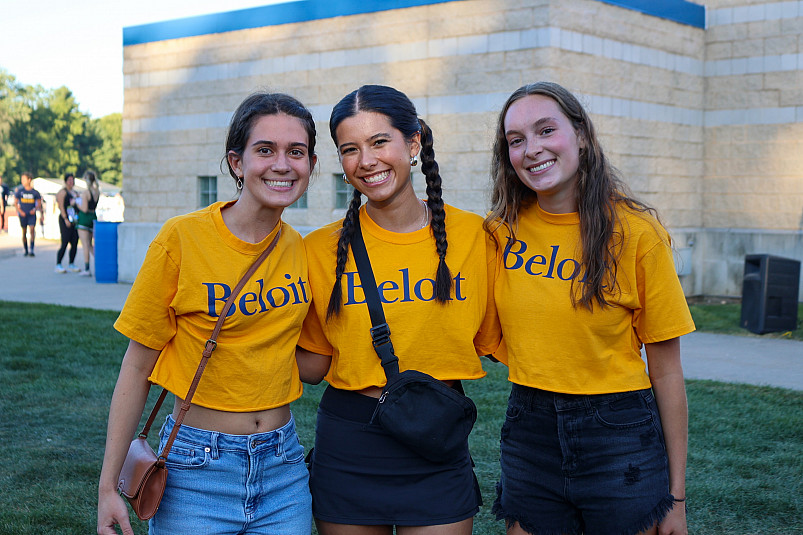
360,475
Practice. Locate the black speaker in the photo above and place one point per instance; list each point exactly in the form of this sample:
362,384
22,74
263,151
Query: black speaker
769,293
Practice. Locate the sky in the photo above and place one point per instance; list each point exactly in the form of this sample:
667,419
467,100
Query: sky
80,44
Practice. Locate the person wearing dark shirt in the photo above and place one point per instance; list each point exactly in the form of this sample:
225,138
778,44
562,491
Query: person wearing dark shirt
28,201
68,218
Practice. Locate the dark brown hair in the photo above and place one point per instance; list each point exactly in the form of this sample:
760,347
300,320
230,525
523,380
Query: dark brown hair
258,105
401,113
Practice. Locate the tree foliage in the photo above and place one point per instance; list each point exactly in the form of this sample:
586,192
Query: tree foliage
44,132
108,158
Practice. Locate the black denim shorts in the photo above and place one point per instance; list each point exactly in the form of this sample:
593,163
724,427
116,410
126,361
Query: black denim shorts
574,464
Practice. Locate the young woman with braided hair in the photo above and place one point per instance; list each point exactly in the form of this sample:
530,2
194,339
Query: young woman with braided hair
592,442
436,298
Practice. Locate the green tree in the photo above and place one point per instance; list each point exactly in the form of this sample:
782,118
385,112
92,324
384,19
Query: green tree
44,132
71,134
12,109
108,157
28,132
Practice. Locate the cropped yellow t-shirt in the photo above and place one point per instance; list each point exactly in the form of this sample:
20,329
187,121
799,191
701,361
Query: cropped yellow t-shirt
552,346
440,339
189,270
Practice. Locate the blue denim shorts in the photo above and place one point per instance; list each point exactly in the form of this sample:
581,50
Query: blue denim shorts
575,464
219,483
360,475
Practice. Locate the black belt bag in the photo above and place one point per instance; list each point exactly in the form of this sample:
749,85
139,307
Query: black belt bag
423,413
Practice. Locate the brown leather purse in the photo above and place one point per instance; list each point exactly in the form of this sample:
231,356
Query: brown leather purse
144,475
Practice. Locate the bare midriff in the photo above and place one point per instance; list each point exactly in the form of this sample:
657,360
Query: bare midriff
234,423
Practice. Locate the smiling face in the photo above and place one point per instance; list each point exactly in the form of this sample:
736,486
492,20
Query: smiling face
544,150
375,156
275,165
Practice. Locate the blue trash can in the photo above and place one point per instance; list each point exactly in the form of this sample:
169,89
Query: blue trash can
106,251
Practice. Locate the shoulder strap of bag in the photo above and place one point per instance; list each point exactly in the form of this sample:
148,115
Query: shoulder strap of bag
210,346
380,332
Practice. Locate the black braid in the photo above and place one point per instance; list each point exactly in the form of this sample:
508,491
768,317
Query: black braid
443,277
343,243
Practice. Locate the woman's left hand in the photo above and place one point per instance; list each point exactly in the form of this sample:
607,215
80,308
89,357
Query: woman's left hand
675,521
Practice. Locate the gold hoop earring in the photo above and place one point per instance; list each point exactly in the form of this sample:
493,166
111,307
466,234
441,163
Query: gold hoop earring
346,179
413,161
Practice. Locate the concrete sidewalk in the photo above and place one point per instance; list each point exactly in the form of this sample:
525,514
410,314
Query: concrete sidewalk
34,280
743,359
737,359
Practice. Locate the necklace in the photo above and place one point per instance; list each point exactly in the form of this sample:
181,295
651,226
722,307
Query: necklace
426,214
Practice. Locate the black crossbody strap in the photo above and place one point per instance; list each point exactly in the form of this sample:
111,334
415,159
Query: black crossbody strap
380,332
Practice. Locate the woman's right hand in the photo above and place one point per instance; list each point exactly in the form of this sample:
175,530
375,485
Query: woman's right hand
128,401
112,511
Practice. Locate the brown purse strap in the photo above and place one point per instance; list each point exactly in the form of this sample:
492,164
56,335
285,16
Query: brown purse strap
147,428
211,345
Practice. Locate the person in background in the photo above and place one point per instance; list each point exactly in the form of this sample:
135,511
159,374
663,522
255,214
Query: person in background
236,465
68,218
438,306
4,193
28,201
86,218
592,442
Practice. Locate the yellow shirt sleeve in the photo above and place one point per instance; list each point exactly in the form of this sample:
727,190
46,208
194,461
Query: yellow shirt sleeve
147,316
312,336
489,337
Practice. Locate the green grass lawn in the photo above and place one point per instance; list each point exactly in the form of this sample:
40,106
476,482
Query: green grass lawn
724,318
58,366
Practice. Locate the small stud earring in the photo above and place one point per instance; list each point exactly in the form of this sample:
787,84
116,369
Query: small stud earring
413,161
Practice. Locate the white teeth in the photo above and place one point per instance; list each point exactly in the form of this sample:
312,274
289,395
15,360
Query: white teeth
379,177
279,183
541,167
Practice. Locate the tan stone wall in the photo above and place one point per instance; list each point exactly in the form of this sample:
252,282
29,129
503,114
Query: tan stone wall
481,50
704,124
754,85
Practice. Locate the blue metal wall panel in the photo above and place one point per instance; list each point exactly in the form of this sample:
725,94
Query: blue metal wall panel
677,10
305,10
257,17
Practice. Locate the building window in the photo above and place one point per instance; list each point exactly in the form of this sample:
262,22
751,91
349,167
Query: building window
301,202
207,190
342,192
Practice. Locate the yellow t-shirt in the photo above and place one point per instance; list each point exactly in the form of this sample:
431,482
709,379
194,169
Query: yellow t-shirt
190,269
552,346
440,339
